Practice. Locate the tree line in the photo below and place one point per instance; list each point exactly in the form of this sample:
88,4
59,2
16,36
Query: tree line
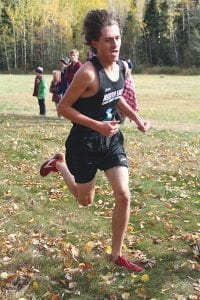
154,32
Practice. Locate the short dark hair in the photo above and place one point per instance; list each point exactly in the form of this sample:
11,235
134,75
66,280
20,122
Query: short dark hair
65,60
94,21
39,70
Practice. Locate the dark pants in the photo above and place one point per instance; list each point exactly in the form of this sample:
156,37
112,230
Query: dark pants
89,151
42,106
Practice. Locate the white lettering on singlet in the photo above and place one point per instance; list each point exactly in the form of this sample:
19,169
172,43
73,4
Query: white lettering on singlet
111,96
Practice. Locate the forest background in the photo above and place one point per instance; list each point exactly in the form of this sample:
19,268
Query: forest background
156,34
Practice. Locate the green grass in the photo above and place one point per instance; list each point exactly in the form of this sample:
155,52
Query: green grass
43,231
170,100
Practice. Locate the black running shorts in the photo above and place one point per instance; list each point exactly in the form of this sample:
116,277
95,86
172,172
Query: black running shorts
87,152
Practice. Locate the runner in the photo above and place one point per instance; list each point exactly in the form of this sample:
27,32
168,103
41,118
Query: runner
95,141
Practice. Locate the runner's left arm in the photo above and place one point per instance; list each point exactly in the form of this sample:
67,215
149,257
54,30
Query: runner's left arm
132,115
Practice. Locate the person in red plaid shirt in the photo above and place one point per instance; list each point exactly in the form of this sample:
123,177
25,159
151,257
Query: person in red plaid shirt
129,93
129,96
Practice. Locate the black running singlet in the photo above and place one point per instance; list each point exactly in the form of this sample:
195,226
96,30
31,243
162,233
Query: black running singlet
102,106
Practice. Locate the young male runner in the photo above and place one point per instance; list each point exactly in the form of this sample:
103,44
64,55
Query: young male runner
95,141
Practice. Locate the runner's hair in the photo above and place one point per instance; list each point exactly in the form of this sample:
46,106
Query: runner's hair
94,21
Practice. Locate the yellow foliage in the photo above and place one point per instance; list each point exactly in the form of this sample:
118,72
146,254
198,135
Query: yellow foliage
35,285
145,278
89,246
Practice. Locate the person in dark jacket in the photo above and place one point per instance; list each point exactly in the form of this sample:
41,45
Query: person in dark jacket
56,97
63,82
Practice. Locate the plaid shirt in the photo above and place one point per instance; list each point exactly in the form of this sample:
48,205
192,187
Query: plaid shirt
129,93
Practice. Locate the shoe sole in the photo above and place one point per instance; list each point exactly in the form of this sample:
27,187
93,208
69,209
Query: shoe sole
45,172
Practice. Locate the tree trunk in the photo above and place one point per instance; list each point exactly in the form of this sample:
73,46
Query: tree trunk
6,54
189,23
15,48
53,44
175,50
31,42
24,42
61,44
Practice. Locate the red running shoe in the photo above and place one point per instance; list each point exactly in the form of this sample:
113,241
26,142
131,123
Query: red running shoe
128,265
50,165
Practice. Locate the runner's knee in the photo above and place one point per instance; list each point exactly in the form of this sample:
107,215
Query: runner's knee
123,198
85,200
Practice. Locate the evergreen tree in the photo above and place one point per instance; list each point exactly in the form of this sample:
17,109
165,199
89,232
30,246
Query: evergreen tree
164,34
195,35
5,36
151,32
131,31
186,33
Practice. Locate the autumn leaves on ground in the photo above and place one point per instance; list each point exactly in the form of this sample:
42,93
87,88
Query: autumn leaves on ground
53,249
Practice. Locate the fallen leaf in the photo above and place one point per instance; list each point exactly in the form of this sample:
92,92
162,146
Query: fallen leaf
55,297
130,228
126,296
145,278
72,285
140,292
4,275
108,276
89,246
108,249
35,285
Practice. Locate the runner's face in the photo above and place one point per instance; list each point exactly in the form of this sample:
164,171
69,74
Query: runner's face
108,45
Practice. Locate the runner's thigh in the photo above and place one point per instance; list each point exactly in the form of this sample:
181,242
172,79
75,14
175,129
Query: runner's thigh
119,178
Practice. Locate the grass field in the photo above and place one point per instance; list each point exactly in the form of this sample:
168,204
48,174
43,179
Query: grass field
51,248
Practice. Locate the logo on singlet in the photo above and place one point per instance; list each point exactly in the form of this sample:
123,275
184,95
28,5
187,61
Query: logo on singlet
109,115
109,97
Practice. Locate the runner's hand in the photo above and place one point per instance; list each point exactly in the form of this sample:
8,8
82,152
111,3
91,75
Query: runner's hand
108,128
144,125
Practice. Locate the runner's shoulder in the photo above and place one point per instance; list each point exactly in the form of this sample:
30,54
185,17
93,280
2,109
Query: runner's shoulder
87,72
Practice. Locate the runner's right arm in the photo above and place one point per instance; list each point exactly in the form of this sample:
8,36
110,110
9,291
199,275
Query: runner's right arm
84,84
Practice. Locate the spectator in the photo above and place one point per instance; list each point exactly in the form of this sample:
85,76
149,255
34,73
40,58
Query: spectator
129,94
74,65
63,82
130,65
56,97
40,90
90,54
